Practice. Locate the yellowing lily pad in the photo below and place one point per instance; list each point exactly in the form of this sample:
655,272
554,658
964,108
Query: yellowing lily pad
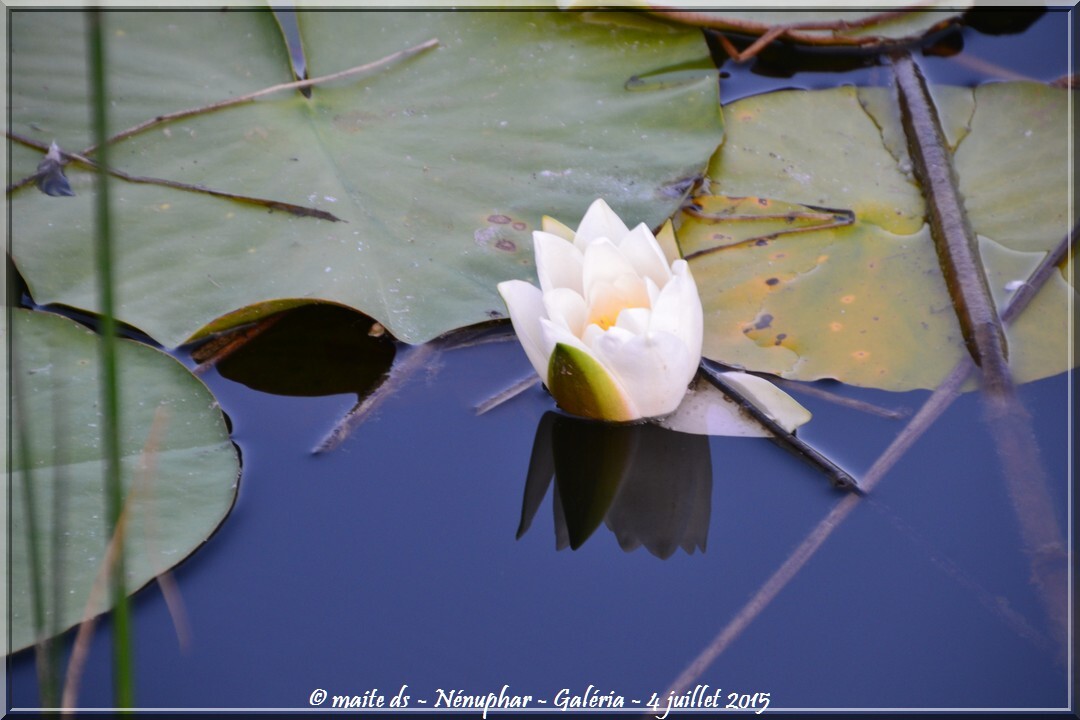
865,302
438,166
178,466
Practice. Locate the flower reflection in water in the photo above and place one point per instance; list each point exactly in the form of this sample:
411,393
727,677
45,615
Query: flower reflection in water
649,485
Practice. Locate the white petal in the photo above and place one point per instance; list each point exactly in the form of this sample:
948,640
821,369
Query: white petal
558,263
677,309
634,320
603,264
770,399
644,253
600,221
653,292
553,226
614,336
609,302
554,334
667,242
708,411
654,369
526,305
566,308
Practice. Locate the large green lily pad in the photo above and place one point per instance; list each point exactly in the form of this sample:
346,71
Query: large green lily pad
438,166
860,297
184,484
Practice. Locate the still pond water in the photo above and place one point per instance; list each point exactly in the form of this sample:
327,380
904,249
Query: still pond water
392,560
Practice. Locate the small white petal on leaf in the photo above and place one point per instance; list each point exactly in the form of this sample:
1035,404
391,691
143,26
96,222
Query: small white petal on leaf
770,399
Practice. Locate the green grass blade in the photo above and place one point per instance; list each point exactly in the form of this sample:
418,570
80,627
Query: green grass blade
47,689
122,655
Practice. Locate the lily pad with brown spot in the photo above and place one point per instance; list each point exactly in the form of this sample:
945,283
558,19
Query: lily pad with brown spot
513,116
865,303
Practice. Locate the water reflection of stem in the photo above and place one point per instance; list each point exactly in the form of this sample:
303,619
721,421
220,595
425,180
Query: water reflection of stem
1028,486
145,479
508,393
850,403
477,335
996,604
934,407
416,358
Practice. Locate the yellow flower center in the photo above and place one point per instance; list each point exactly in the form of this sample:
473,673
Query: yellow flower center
612,299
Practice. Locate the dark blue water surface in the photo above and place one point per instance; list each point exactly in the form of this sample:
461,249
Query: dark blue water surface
392,560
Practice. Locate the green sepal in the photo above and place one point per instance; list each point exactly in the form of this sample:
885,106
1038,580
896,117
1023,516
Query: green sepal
582,386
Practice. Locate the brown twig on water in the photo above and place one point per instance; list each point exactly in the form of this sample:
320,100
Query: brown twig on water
830,218
216,350
850,403
408,364
804,33
291,208
839,477
401,371
954,238
508,393
252,96
229,102
984,336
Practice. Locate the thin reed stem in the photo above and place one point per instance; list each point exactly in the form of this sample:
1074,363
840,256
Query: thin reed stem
47,689
110,391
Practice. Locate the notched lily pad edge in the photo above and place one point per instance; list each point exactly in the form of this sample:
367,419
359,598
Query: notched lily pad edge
86,322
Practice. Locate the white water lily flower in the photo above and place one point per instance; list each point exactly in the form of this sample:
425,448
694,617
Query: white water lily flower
615,328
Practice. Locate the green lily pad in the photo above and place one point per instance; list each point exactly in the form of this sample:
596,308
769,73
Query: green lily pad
438,166
864,301
185,491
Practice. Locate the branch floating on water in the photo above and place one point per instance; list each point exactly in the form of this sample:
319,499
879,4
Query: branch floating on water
954,238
